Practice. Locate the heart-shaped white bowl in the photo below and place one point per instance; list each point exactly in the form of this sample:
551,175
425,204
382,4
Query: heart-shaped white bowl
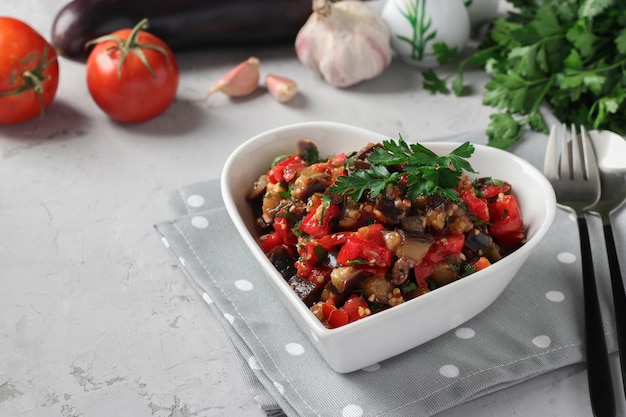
408,325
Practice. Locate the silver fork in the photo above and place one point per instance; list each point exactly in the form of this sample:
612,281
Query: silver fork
574,175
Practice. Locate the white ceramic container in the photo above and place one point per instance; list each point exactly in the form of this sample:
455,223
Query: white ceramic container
417,25
365,342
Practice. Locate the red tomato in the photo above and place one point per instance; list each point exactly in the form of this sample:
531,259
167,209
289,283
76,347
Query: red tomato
330,241
505,216
312,225
29,72
422,272
286,170
356,308
475,205
126,88
444,247
372,233
358,251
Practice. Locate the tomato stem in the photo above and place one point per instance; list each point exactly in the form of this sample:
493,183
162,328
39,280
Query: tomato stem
131,45
34,79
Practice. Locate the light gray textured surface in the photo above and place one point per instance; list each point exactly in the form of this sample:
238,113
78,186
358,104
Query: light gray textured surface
95,319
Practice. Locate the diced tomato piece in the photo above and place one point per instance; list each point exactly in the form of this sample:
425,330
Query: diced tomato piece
333,316
319,275
340,158
335,239
270,241
422,272
356,308
303,269
444,247
512,239
358,251
491,190
475,205
505,216
481,263
311,252
313,226
286,170
283,229
372,233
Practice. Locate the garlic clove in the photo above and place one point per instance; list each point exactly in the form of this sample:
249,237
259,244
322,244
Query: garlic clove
239,81
281,88
346,42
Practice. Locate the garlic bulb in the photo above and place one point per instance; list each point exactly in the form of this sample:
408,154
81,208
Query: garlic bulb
346,42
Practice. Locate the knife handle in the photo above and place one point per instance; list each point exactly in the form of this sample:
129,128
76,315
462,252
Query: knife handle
619,297
601,391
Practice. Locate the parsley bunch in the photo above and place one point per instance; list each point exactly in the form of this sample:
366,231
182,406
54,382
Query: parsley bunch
426,172
570,54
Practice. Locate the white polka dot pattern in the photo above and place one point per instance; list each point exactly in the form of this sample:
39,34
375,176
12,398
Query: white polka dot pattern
352,410
253,363
449,371
244,285
566,257
295,349
555,296
465,333
542,341
195,200
200,222
229,317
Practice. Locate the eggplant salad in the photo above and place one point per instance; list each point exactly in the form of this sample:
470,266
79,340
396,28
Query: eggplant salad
354,234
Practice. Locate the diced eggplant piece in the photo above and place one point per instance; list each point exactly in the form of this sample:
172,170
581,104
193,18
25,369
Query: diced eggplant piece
413,224
391,210
415,293
331,293
308,292
387,211
309,182
345,278
376,289
477,241
393,239
350,215
282,261
444,273
258,188
435,202
400,271
308,151
415,247
366,151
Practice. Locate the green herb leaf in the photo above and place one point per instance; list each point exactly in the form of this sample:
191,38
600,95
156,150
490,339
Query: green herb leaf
427,173
569,55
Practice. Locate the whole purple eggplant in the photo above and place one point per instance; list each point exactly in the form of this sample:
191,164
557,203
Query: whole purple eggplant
182,24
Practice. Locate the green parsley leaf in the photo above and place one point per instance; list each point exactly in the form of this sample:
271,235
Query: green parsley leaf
569,55
427,173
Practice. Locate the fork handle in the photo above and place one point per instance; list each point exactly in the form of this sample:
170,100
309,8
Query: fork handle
600,383
619,296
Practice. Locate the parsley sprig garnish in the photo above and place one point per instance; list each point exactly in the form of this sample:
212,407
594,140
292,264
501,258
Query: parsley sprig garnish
426,172
569,55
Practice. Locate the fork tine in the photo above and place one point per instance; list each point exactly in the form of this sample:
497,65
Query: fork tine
578,151
589,158
565,170
551,162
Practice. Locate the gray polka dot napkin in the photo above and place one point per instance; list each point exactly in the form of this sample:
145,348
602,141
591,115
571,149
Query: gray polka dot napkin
534,327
